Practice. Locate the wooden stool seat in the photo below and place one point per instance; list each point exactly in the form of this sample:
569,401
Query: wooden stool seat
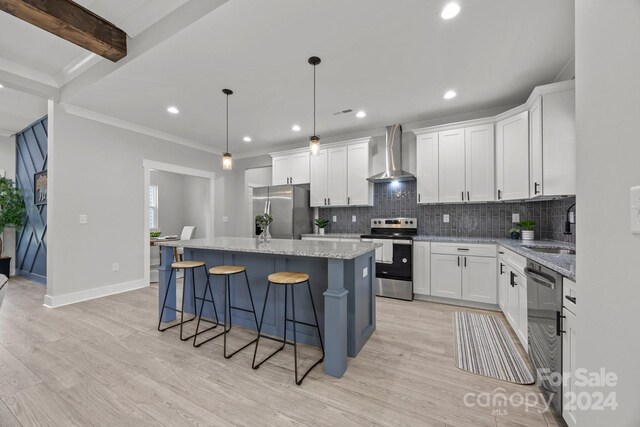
287,278
227,269
187,264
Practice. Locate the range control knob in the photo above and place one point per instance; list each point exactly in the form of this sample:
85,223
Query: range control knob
411,222
406,222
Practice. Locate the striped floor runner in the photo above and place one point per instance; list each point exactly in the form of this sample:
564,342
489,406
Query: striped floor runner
484,347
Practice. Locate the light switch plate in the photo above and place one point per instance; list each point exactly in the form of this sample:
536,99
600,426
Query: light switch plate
225,219
353,218
365,272
445,218
335,218
515,218
82,218
634,204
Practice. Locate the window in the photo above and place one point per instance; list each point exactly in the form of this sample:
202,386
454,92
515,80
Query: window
153,207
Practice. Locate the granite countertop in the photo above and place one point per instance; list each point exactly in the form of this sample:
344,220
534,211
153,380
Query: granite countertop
302,248
334,235
563,264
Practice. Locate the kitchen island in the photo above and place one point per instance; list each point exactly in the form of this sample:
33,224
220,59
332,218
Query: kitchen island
342,282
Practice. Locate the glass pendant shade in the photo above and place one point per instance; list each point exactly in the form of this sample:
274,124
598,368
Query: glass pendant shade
227,162
314,145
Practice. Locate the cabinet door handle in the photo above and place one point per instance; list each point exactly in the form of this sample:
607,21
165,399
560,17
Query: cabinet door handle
458,261
513,279
462,195
465,261
418,197
501,269
329,200
325,201
463,249
468,197
499,194
535,188
348,200
559,330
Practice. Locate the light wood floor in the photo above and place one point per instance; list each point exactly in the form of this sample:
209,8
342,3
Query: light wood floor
102,362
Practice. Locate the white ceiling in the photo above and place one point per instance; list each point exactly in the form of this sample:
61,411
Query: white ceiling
393,59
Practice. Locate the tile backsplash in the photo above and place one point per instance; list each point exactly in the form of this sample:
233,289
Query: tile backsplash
465,219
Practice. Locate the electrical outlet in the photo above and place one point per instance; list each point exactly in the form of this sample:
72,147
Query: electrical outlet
335,218
83,218
572,217
353,218
115,266
365,272
515,217
445,218
225,219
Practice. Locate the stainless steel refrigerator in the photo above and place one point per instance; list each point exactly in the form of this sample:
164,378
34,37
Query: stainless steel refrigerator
289,206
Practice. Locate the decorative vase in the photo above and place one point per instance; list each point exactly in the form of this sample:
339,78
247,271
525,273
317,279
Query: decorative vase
515,235
320,231
528,234
265,236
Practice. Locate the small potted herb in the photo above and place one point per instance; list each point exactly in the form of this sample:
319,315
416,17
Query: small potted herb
263,221
155,233
321,223
527,229
515,233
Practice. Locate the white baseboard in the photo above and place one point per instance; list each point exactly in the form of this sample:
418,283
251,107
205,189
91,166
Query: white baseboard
461,303
75,297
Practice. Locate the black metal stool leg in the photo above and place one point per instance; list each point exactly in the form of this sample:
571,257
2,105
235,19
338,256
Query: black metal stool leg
295,340
313,306
164,303
215,324
295,347
253,310
253,364
195,308
253,307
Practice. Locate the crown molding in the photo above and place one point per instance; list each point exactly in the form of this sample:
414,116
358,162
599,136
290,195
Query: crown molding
7,133
123,124
322,146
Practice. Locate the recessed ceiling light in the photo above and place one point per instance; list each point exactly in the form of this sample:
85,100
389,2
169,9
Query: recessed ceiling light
247,139
173,110
450,94
295,128
361,114
1,86
451,10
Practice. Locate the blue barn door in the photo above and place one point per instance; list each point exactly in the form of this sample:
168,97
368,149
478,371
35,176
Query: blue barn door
31,158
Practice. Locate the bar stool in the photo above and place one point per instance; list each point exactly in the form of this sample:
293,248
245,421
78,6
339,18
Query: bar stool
186,266
227,271
288,279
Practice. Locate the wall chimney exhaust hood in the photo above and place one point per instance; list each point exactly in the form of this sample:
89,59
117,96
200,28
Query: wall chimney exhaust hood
393,158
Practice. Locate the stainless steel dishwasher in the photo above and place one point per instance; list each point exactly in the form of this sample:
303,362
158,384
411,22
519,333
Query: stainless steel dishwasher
544,313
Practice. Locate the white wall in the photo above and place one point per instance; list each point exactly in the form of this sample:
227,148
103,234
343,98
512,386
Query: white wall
196,206
608,130
8,165
96,169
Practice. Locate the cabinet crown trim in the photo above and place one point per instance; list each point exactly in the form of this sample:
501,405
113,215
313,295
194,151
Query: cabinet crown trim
535,94
322,146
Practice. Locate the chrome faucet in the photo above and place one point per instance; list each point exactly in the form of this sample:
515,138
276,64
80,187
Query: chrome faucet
570,220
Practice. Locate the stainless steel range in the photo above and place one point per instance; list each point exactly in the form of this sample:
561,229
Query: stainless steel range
394,266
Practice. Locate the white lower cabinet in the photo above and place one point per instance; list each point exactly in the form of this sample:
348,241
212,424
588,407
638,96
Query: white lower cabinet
569,365
503,279
468,274
422,268
515,296
446,276
479,279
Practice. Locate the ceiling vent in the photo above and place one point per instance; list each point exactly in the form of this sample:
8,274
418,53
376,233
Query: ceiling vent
341,112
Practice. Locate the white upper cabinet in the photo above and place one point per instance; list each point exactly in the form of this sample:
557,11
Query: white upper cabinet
451,166
339,175
290,168
318,178
479,163
512,157
360,191
553,144
427,167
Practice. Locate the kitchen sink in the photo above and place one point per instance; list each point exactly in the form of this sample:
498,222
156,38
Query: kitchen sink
558,251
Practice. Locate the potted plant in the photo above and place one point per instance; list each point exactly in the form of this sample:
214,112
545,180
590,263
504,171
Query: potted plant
11,211
321,223
263,221
527,227
515,233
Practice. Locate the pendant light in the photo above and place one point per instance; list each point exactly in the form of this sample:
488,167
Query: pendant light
314,141
227,162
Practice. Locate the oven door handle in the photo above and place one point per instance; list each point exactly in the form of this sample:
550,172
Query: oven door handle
402,242
540,278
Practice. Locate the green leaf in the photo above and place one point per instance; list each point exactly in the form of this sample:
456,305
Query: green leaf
12,209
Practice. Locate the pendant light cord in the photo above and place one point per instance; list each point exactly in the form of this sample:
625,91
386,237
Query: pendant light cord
314,100
227,123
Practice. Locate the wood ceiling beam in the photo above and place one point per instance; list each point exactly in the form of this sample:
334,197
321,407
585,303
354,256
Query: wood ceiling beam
72,22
